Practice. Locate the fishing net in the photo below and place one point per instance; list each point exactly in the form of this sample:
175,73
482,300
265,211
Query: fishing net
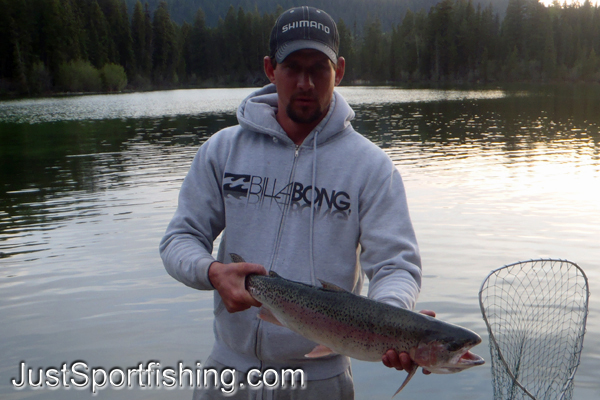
535,312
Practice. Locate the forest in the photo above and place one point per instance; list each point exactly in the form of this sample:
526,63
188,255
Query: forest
389,12
52,46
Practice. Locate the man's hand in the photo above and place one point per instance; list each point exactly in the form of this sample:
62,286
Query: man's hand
230,282
402,361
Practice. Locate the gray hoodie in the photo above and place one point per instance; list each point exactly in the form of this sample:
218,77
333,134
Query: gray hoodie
301,211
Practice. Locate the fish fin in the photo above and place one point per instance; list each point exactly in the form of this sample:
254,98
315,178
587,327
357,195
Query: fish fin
266,315
411,373
274,274
319,351
330,286
236,258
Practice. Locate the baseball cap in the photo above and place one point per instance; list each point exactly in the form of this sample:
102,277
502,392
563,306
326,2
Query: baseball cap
304,28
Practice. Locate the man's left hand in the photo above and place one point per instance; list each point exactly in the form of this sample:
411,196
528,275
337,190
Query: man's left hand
402,361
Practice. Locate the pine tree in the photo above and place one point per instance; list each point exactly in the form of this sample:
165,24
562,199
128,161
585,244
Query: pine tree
487,42
465,28
57,43
18,61
99,42
347,50
245,33
182,37
164,57
413,48
141,35
115,12
513,27
15,48
198,56
146,63
185,59
231,35
257,47
373,53
441,38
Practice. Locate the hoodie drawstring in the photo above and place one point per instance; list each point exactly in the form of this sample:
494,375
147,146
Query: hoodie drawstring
313,277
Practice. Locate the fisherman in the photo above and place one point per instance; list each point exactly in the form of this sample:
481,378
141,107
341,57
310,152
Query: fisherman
296,190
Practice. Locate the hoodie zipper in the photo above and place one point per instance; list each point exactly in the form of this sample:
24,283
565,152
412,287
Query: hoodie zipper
257,347
287,206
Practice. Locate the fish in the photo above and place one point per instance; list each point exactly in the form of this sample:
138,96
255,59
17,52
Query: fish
341,322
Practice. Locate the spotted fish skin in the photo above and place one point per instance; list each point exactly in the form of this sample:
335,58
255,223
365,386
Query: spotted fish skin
344,323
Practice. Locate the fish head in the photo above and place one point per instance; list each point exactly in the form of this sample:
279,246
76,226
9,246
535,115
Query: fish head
448,354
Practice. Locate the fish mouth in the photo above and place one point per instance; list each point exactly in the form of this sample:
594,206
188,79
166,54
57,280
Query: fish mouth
470,360
464,361
459,362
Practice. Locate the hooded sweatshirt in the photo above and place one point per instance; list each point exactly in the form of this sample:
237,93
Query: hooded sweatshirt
333,209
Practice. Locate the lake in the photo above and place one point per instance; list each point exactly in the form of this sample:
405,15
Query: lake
89,183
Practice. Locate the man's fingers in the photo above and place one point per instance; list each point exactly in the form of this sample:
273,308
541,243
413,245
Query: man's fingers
390,359
428,312
406,362
230,281
252,301
401,361
247,269
240,301
386,361
235,307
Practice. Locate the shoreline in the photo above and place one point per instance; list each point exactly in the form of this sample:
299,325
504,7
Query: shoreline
356,83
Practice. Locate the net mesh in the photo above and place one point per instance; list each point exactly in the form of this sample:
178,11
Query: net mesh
535,312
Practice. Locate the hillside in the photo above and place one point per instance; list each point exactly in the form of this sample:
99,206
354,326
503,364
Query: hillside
353,12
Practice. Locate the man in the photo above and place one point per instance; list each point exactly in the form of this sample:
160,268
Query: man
295,190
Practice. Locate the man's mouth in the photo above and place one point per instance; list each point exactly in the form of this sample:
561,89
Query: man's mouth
303,100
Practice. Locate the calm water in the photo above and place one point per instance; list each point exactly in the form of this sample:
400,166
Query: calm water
88,185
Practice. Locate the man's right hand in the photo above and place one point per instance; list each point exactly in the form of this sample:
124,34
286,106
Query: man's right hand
230,281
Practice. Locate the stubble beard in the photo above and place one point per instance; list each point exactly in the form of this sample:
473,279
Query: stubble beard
302,117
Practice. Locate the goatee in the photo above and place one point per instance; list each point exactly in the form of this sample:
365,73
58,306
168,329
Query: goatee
302,118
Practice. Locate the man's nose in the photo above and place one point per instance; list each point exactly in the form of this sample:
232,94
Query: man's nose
305,81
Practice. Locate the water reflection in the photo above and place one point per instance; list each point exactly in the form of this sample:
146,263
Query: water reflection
49,171
133,105
515,121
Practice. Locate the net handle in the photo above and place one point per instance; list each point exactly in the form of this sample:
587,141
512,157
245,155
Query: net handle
493,338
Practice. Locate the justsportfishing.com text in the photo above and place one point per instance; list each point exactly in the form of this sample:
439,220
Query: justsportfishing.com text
79,375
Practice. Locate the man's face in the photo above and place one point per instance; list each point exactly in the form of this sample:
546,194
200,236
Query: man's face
305,82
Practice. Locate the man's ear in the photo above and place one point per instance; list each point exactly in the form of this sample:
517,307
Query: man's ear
269,70
339,70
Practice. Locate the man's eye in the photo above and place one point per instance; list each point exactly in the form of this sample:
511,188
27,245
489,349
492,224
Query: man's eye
321,68
292,67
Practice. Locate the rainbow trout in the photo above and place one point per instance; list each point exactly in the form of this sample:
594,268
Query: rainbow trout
344,323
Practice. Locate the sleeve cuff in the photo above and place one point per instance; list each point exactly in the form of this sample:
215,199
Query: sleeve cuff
202,266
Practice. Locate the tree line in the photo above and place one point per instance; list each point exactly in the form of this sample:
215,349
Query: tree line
455,41
351,11
95,45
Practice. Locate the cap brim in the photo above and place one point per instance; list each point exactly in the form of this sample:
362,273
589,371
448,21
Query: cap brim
296,45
